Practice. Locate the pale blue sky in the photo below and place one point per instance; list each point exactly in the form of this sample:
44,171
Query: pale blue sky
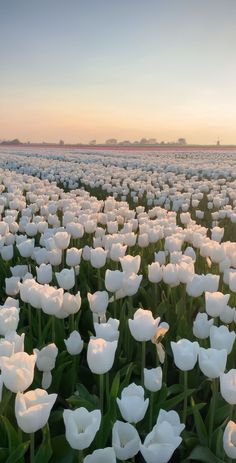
87,69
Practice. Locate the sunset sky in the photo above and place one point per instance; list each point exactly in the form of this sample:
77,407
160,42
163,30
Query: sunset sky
84,69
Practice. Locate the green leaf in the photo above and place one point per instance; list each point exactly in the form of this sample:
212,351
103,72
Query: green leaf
13,438
203,454
199,424
18,453
171,403
3,454
115,385
62,452
44,452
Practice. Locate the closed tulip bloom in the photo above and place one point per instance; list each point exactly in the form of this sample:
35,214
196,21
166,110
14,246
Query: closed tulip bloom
185,354
26,248
229,440
132,405
66,278
106,455
215,303
33,408
170,275
228,314
143,326
160,444
211,282
160,257
71,303
74,343
154,272
46,357
125,440
98,302
113,280
7,252
153,379
81,427
130,264
19,270
62,239
228,386
12,286
76,230
212,362
9,319
18,371
101,355
117,250
98,257
222,338
196,286
35,294
131,283
201,326
108,331
44,273
172,418
16,340
55,256
73,257
52,300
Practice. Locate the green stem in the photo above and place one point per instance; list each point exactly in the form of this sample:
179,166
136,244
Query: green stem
101,387
32,459
212,410
151,410
30,322
107,390
80,456
143,361
185,396
39,327
53,329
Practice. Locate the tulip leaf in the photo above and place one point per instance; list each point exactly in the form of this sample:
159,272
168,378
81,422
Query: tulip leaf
199,423
62,452
13,438
44,452
203,454
171,403
18,453
3,454
115,385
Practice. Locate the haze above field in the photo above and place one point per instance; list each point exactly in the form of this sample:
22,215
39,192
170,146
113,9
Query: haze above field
126,69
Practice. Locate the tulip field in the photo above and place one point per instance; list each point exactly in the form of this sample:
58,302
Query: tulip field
118,306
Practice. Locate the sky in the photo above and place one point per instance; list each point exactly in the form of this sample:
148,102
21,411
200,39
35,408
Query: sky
79,70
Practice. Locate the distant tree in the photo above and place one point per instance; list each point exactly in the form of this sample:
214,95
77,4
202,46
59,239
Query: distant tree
151,141
111,141
61,142
143,141
92,142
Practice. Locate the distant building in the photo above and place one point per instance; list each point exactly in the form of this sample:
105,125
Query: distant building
182,141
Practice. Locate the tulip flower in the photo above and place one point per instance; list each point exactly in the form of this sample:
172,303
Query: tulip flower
71,304
74,343
44,273
215,303
130,264
81,427
153,379
101,355
227,386
154,272
9,319
201,326
132,405
108,331
33,408
222,338
98,302
66,278
73,257
185,354
229,439
125,440
106,455
62,239
160,444
143,326
212,362
18,371
113,280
